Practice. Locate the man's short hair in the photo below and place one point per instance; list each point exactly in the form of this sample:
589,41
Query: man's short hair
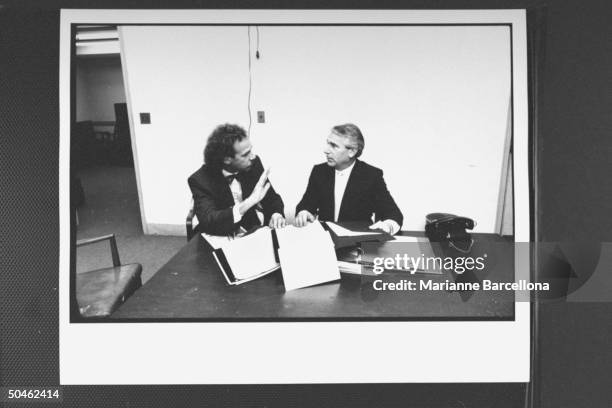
220,144
353,133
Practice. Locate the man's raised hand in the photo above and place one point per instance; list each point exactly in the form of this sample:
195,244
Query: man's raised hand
261,188
303,218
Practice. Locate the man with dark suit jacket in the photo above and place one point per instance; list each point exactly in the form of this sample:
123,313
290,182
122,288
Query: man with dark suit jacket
347,189
231,185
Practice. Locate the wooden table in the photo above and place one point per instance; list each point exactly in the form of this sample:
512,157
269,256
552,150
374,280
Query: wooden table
191,287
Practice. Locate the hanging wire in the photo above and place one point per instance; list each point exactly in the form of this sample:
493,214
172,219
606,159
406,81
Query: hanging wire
250,81
257,52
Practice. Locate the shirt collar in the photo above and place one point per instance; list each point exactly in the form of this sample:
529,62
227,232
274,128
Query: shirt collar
227,173
346,171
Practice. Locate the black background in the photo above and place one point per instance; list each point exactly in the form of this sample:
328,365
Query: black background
573,152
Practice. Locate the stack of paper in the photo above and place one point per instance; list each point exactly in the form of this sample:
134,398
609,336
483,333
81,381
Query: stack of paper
307,256
343,232
217,241
247,258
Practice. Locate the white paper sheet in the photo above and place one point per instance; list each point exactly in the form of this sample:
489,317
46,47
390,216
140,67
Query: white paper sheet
216,241
343,232
251,255
307,256
400,238
350,267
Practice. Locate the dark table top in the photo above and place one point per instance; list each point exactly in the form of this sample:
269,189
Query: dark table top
191,287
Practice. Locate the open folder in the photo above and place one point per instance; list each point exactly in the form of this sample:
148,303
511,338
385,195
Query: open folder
246,258
306,255
353,233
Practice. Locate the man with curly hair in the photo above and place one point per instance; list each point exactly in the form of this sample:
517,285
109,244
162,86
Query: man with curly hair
231,185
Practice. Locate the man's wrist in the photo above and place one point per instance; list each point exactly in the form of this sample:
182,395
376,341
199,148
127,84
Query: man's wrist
237,215
245,205
394,226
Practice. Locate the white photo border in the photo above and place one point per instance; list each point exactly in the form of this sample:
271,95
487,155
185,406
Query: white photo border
299,352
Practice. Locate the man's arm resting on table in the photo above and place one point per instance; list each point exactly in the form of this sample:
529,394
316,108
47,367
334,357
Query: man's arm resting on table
386,209
389,226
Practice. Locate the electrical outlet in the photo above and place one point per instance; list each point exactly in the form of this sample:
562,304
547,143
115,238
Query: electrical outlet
145,118
261,117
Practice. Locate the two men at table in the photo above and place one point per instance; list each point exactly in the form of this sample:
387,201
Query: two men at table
232,184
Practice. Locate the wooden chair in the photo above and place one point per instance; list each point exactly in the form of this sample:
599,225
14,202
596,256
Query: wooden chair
191,222
99,293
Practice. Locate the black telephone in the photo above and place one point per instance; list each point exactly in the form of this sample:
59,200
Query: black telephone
450,229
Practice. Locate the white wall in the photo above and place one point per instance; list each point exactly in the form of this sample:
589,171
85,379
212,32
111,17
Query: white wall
432,103
189,79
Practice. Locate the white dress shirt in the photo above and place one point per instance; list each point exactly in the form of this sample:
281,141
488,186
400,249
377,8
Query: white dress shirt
340,183
236,189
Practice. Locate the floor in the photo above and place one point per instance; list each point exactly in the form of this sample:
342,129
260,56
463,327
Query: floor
111,207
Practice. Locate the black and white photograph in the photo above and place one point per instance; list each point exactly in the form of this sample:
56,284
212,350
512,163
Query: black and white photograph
217,130
256,204
263,168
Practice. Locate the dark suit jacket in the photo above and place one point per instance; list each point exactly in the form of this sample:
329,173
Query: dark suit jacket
213,200
366,194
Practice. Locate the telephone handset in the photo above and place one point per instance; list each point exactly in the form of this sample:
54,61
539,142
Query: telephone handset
450,229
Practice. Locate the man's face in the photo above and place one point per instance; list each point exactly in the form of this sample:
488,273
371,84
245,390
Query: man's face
243,157
339,152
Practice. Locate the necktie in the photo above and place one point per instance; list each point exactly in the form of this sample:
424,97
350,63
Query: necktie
231,178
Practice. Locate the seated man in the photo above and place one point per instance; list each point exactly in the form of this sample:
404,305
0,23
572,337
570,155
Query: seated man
231,184
347,189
